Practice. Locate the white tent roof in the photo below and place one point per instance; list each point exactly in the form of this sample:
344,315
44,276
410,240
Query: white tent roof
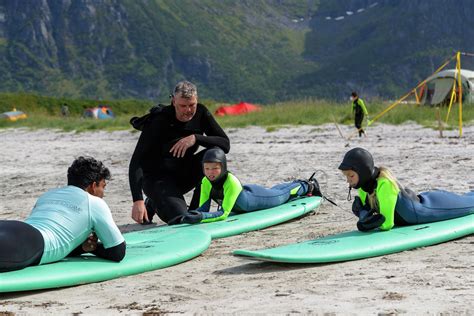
443,85
450,73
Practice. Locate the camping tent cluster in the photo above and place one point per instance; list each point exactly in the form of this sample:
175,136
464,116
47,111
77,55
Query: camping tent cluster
13,115
101,112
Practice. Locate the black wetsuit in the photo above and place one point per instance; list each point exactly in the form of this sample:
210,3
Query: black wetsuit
21,245
359,109
164,178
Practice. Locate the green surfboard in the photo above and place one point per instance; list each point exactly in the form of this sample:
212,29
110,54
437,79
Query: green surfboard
358,245
240,223
167,249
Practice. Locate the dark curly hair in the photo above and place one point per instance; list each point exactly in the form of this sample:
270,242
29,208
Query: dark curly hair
86,170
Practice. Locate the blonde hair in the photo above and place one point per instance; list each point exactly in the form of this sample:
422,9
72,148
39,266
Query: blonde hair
387,174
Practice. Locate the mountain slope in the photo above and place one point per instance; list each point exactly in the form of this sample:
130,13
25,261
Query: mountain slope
260,51
384,47
141,48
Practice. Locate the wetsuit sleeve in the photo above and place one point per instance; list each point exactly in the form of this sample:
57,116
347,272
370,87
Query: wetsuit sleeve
205,191
362,105
116,253
362,196
214,134
387,195
232,189
103,224
205,207
205,197
135,172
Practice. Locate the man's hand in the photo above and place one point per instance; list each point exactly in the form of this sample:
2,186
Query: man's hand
139,213
179,149
90,244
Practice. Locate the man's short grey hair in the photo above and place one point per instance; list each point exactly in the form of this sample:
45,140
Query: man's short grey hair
185,89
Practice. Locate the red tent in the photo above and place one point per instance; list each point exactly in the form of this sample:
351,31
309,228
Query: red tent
237,109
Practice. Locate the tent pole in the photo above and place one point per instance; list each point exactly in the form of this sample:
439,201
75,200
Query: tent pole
416,96
451,100
440,124
458,67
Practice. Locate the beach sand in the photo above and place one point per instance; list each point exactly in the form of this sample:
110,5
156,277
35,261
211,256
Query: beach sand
430,280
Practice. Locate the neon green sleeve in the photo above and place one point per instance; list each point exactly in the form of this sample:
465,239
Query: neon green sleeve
362,105
232,189
205,191
362,196
387,195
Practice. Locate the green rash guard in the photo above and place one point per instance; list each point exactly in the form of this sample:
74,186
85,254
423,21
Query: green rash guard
360,102
232,189
387,195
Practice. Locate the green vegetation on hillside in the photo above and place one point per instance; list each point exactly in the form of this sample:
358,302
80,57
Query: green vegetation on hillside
140,49
263,51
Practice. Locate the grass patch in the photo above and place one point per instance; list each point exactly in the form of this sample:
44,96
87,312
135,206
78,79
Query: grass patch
320,112
44,112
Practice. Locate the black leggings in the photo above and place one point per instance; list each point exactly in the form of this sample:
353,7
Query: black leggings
167,190
359,117
21,245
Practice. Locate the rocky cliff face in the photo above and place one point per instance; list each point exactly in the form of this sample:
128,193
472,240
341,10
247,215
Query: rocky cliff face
78,42
256,50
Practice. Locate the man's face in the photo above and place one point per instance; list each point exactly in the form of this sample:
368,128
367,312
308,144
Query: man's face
97,188
185,108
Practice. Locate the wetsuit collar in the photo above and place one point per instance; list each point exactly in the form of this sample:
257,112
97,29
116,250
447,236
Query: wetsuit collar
219,182
370,184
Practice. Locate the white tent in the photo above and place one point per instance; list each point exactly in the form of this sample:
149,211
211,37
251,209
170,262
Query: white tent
439,86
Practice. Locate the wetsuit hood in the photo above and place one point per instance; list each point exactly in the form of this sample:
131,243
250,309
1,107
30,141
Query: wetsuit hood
361,161
216,155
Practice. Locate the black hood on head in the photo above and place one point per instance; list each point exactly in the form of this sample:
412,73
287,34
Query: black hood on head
216,155
361,161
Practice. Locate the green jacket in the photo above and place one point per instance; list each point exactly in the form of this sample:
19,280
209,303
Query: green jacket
387,196
359,103
232,188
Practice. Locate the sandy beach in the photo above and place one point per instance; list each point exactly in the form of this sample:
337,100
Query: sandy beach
430,280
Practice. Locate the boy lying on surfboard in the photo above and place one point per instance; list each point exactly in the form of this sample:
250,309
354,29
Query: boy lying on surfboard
221,186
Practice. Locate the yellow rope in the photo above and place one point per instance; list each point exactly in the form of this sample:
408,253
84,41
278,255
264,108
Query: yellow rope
390,107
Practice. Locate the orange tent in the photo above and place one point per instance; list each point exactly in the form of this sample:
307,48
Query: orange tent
237,109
